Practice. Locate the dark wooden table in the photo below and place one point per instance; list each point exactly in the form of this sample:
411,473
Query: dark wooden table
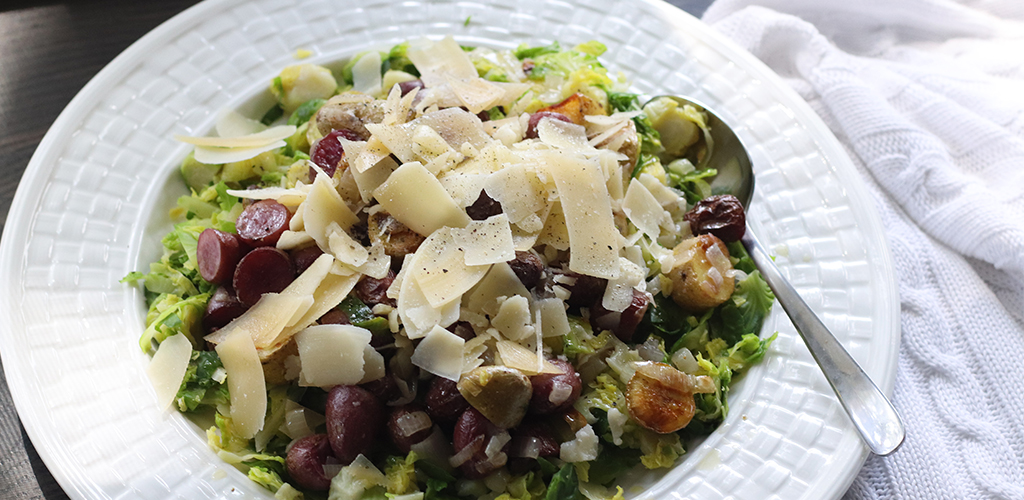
48,51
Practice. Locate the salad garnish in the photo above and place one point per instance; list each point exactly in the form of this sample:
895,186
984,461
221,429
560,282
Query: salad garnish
442,272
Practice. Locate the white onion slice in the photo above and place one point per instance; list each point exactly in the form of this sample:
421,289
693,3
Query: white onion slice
463,455
496,443
413,422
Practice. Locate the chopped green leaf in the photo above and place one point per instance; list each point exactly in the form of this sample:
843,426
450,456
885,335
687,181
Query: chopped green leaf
564,485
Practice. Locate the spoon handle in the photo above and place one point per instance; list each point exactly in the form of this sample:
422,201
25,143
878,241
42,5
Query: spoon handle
872,414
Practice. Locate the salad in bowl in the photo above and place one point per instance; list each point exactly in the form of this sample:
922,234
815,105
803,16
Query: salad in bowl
453,272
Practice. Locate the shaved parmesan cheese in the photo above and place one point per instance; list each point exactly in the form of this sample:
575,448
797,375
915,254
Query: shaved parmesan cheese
232,124
581,449
378,263
371,178
332,355
440,353
347,250
167,368
619,292
519,191
593,240
218,155
440,268
606,133
246,384
369,155
514,320
414,197
555,233
264,321
554,320
416,313
463,187
643,209
293,239
516,356
332,290
440,60
456,126
428,144
664,194
563,135
296,223
513,91
373,364
366,76
397,107
263,138
289,197
486,242
522,240
500,281
324,206
476,94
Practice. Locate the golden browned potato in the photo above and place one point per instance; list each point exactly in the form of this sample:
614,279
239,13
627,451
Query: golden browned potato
575,107
500,393
700,276
273,359
397,238
660,398
352,116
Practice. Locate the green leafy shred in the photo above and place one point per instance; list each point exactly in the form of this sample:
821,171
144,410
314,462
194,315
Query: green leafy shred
650,140
170,315
306,111
400,474
564,485
525,51
200,387
398,59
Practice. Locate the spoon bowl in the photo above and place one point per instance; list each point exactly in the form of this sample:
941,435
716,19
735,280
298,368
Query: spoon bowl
874,417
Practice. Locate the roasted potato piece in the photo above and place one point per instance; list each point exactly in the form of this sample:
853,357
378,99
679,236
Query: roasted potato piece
576,107
700,276
398,239
274,358
352,116
500,393
660,398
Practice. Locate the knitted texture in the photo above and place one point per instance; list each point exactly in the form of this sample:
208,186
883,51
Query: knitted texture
928,98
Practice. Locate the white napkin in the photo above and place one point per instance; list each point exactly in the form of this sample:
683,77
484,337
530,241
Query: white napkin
928,98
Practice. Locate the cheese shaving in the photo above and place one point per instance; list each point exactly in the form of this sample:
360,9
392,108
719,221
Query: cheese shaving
246,385
263,138
217,155
415,197
593,240
643,209
440,353
516,356
332,355
441,269
486,242
167,368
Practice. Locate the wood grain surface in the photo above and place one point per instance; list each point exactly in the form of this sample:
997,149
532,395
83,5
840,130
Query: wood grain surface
48,51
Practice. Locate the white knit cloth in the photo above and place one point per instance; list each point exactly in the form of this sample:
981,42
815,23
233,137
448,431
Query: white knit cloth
928,98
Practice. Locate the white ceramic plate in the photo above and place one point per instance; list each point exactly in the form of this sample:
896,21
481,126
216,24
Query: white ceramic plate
90,205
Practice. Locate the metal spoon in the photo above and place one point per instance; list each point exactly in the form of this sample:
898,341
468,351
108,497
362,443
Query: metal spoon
872,414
